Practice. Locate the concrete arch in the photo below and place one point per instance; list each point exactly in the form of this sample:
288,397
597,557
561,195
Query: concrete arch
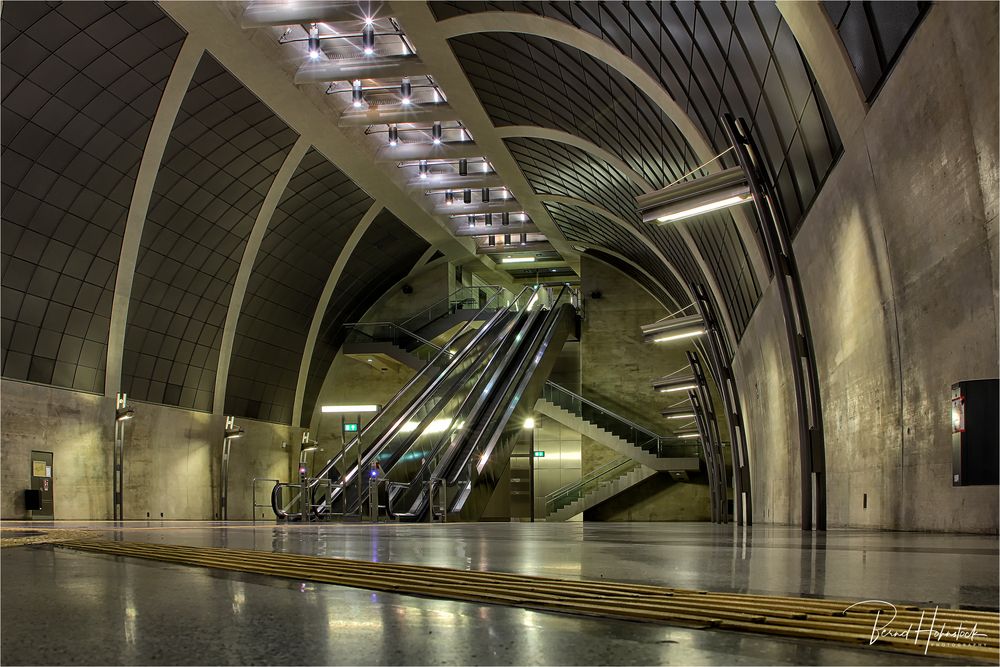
324,301
149,167
533,132
559,31
260,225
639,269
713,285
824,51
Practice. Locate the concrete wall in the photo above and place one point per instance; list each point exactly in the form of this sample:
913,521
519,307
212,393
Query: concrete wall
617,367
171,460
429,286
898,257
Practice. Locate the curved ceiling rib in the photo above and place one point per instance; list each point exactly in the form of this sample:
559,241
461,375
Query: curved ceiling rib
604,51
324,302
166,114
559,136
822,47
625,228
260,226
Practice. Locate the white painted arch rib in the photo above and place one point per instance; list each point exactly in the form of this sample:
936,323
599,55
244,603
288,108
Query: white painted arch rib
324,302
149,167
559,136
260,226
559,31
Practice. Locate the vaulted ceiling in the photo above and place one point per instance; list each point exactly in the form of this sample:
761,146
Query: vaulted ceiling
195,196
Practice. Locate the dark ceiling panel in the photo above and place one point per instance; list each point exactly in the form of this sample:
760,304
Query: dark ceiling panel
386,254
560,169
81,84
581,225
320,208
224,150
874,34
711,57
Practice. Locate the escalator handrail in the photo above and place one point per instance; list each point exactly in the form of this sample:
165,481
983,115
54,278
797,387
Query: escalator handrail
498,289
276,491
492,351
519,379
470,406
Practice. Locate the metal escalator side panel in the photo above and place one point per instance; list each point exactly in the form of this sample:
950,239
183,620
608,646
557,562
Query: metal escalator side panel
506,429
471,405
501,325
499,316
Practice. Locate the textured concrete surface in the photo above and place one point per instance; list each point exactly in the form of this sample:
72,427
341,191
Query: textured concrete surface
658,498
617,369
172,456
77,428
899,265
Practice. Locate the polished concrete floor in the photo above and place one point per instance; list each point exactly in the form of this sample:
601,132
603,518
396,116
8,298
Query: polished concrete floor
60,606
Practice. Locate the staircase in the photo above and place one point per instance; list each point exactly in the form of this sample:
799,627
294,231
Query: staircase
597,486
622,435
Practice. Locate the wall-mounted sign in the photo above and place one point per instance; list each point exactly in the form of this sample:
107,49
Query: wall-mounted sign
538,453
350,428
38,469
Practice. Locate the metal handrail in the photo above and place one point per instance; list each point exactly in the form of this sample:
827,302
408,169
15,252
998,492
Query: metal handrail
448,299
594,476
627,422
411,383
596,473
253,495
358,325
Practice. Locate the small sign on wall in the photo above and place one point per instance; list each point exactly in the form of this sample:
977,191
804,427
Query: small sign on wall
38,469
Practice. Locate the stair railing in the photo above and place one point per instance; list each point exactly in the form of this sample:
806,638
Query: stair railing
395,334
467,298
661,446
577,489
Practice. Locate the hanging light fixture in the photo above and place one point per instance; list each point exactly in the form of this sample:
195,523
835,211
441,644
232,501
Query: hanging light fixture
393,135
467,196
436,133
368,39
505,219
524,237
491,240
673,383
669,330
405,90
486,194
472,221
506,239
463,167
488,219
449,199
678,413
313,42
687,199
687,434
357,94
422,169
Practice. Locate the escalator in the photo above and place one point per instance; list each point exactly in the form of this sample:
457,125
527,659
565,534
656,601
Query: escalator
405,420
460,473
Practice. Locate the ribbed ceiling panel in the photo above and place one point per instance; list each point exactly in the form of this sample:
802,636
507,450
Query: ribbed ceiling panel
317,213
388,251
81,85
224,150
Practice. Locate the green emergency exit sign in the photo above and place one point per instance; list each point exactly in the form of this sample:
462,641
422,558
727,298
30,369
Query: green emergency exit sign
538,454
350,428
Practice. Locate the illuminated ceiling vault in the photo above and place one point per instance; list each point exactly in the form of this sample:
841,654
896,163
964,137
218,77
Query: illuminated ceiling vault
188,185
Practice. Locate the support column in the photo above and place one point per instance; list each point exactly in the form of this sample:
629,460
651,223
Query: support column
722,370
812,450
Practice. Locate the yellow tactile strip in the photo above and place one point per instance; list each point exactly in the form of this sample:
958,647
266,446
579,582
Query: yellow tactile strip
800,618
23,536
